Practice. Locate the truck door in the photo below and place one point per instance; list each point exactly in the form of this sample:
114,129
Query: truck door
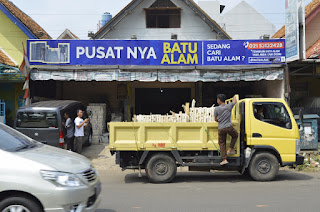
272,125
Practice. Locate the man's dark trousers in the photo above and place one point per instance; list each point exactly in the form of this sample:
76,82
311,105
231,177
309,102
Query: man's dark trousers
223,140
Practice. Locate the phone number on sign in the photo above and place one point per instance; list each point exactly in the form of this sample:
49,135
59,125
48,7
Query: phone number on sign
266,45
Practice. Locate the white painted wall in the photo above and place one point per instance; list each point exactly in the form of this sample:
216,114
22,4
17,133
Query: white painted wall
244,22
212,8
192,26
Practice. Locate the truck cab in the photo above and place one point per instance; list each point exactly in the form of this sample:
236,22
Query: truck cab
268,138
271,134
271,124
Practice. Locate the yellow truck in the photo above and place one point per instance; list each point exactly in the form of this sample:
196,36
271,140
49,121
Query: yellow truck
268,138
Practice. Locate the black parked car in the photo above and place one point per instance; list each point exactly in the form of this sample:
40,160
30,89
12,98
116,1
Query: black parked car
42,121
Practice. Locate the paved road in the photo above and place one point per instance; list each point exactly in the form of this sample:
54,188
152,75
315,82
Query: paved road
196,191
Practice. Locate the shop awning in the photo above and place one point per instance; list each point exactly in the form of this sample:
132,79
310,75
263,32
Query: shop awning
9,73
151,74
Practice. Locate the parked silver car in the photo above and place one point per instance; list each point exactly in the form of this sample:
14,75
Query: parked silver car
36,177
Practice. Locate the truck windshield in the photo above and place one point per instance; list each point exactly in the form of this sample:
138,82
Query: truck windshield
12,140
36,119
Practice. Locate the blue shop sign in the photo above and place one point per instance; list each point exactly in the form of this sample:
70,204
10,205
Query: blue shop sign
156,52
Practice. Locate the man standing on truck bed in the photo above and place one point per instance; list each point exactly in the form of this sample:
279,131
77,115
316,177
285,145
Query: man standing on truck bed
222,115
79,132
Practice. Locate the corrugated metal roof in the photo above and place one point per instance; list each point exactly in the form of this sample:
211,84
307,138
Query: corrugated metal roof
195,75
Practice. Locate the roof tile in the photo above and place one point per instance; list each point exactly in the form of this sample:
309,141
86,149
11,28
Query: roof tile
4,59
67,32
37,30
314,50
76,37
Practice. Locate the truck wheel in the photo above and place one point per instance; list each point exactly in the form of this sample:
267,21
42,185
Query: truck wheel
19,204
161,168
264,166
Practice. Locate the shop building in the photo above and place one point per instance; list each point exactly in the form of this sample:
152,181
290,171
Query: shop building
144,86
305,74
16,28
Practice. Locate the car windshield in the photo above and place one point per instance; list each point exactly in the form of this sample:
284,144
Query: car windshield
12,140
37,119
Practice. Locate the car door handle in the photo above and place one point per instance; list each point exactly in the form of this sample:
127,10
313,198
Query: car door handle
256,135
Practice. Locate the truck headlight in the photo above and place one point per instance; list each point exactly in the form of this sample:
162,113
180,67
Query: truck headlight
61,179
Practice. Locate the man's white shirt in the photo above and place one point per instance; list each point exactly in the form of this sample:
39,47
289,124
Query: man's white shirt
78,131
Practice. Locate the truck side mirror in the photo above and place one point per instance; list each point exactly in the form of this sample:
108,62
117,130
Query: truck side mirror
300,115
300,127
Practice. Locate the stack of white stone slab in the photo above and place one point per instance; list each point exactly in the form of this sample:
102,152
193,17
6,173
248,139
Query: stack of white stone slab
202,114
162,118
191,114
97,119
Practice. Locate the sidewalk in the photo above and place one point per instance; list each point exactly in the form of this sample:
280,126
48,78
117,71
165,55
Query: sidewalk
101,157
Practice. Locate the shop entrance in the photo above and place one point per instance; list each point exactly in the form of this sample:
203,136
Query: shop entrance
160,100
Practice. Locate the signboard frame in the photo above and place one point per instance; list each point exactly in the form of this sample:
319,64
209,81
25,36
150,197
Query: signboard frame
155,52
295,30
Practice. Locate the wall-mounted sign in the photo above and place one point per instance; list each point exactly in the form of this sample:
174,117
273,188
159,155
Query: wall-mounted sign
295,36
156,52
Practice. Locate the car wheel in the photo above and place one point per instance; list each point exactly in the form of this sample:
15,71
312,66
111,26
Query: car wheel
161,168
264,166
19,204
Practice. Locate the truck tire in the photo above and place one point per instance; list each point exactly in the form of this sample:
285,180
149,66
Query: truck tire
264,166
19,204
161,168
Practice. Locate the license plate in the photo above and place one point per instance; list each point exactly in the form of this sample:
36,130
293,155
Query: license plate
98,189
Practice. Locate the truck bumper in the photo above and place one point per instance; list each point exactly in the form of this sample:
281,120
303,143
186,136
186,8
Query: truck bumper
299,159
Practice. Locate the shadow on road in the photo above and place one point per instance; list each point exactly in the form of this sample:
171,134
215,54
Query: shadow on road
232,177
94,151
286,175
